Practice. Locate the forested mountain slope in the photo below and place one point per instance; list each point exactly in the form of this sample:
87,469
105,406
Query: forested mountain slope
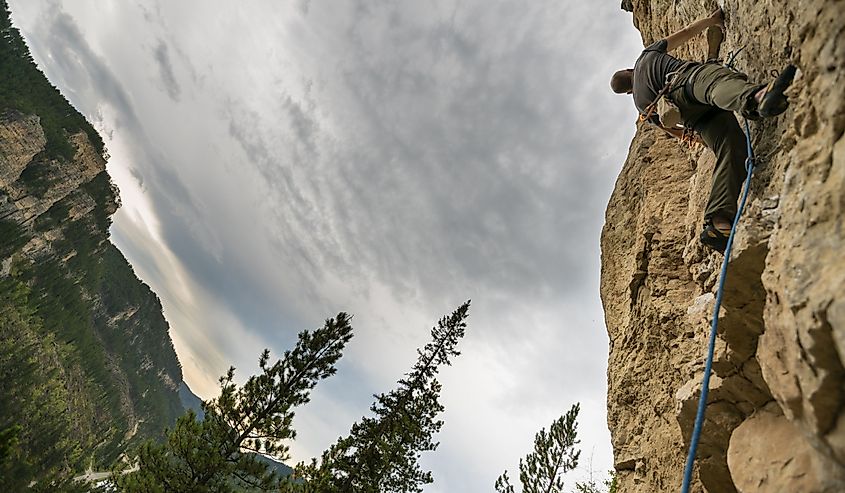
86,361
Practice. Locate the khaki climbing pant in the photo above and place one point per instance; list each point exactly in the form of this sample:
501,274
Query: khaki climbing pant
707,95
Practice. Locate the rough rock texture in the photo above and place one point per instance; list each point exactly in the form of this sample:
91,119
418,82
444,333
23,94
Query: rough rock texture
768,453
21,138
778,370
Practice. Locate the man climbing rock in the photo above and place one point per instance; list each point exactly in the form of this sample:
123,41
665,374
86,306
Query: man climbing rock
684,97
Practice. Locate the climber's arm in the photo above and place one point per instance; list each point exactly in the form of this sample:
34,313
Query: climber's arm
717,18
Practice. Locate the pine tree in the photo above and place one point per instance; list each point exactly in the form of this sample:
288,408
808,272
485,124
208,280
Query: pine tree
381,452
554,454
218,454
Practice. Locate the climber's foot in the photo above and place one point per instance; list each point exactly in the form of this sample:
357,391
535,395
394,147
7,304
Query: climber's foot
771,99
715,234
715,36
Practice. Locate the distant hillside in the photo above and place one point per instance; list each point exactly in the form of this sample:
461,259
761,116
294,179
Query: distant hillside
281,469
86,361
189,400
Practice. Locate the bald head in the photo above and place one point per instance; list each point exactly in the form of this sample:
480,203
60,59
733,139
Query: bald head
622,81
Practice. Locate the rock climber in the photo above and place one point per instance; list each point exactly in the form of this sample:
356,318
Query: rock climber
704,97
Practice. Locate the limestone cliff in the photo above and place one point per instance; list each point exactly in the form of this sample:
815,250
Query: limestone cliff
776,411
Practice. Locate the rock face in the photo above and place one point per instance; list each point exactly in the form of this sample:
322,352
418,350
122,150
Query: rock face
776,410
21,142
767,453
21,138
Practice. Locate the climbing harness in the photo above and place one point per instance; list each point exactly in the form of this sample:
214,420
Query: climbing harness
708,365
667,111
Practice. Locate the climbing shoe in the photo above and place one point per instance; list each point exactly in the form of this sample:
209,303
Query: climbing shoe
715,36
774,100
714,238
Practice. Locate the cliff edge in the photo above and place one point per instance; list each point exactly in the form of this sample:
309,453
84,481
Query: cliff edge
776,410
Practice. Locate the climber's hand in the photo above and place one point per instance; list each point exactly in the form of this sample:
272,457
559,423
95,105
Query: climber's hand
717,18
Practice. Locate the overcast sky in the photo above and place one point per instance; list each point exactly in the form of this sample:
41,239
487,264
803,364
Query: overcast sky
281,161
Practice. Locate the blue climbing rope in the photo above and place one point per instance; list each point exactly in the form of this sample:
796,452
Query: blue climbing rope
705,384
708,365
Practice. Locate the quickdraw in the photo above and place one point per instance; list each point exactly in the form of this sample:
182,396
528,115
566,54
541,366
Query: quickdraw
690,138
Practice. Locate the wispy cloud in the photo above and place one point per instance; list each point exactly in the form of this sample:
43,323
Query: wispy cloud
161,55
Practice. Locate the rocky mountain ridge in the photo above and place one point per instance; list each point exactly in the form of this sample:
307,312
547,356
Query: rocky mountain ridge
86,359
776,411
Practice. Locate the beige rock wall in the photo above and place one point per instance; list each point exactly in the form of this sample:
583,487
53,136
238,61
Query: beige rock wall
21,144
21,138
778,370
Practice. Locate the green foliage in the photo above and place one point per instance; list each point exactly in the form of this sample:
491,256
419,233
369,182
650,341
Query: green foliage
36,438
81,348
554,454
381,453
218,454
39,175
110,342
106,195
11,237
8,443
24,88
100,338
503,483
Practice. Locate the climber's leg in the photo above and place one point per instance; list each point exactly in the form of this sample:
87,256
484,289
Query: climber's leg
724,88
722,133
